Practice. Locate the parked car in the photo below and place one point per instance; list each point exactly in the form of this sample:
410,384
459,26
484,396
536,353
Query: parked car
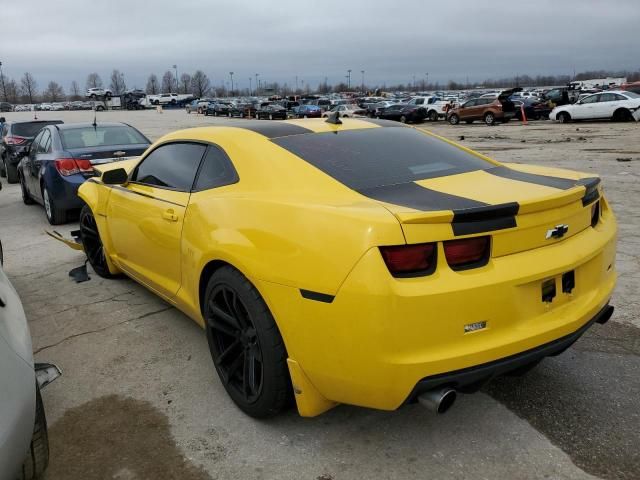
488,109
94,93
374,108
62,157
561,95
15,139
348,110
271,111
631,87
242,110
618,105
435,106
6,107
534,108
198,105
308,111
219,108
341,226
403,113
323,103
24,441
163,99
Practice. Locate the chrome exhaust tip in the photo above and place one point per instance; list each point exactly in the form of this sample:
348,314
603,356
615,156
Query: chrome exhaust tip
439,400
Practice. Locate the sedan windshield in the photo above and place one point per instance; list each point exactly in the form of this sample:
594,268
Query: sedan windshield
100,136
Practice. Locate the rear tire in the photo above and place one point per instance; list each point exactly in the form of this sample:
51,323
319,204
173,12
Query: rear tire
26,197
433,116
55,215
92,243
454,119
403,119
622,115
38,457
489,118
245,344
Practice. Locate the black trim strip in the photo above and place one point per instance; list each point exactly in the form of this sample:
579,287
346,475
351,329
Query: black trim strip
485,219
511,174
317,296
591,193
384,123
412,195
270,129
118,187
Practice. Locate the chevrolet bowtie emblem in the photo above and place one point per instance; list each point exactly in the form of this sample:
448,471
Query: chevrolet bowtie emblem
558,232
119,153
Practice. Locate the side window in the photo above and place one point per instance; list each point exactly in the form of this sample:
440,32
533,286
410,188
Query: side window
42,144
591,99
35,144
619,97
173,165
216,171
607,97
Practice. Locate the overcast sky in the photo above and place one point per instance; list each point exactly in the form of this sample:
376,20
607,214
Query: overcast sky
64,40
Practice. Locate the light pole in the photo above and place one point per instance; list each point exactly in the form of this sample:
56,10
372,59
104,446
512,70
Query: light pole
175,67
250,91
4,89
362,88
231,75
296,84
427,75
349,79
257,85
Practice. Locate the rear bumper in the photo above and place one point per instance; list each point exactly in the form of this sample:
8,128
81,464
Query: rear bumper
471,379
64,190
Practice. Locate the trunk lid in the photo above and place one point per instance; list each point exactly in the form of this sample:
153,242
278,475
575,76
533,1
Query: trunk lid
521,210
108,154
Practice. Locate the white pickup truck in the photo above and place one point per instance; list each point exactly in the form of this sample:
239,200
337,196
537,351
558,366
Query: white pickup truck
435,106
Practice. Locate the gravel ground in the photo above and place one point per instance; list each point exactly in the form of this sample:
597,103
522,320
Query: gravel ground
139,398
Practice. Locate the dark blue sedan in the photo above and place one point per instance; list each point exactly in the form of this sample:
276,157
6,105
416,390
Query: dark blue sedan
62,157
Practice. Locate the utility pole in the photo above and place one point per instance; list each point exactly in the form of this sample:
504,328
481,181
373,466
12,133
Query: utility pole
427,75
296,84
362,86
231,75
414,83
4,89
175,67
349,79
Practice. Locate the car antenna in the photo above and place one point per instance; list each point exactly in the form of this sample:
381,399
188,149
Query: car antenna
334,118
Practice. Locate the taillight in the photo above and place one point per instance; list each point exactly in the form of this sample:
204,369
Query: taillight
467,253
71,166
15,140
595,213
410,260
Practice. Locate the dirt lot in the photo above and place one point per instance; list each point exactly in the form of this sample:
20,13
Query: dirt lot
139,398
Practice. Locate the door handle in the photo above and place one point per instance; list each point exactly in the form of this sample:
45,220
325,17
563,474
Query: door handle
170,215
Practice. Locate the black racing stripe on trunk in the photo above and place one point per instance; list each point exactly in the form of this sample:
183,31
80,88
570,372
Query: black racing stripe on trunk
317,296
384,123
412,195
484,219
511,174
271,128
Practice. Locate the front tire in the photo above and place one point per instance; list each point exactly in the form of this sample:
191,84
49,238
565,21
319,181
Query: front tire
245,343
92,243
403,119
454,119
38,457
55,215
433,116
564,117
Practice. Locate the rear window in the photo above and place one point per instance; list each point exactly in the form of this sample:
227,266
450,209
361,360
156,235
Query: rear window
376,157
100,136
29,129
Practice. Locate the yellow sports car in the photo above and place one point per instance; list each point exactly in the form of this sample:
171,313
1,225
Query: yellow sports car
362,262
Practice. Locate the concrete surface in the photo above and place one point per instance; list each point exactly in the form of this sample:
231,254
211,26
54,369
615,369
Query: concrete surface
140,399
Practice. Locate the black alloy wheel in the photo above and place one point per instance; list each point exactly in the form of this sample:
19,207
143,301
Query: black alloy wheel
245,344
93,243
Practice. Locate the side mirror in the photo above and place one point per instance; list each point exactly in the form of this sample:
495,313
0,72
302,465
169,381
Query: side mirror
116,176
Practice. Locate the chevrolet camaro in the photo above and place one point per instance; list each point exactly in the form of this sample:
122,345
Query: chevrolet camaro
362,262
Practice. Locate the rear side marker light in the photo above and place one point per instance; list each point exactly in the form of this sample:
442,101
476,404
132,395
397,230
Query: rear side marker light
410,260
467,253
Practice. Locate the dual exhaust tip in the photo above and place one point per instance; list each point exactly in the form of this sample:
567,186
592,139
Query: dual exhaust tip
439,400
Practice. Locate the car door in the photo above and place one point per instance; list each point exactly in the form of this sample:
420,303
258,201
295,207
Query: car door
466,110
607,104
586,108
146,215
33,162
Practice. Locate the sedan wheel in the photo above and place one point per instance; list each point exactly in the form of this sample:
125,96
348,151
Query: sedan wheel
433,116
489,118
403,119
245,344
55,215
564,117
454,119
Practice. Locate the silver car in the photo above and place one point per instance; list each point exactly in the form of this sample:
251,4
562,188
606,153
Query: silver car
24,445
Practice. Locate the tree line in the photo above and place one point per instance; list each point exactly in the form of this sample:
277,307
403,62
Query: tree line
26,88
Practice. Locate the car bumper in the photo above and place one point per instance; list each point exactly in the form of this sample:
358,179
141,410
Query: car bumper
64,190
376,340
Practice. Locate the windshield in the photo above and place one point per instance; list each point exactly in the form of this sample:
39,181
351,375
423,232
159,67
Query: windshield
87,137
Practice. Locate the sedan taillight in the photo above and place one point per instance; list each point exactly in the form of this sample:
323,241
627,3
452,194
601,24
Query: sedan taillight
71,166
15,140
